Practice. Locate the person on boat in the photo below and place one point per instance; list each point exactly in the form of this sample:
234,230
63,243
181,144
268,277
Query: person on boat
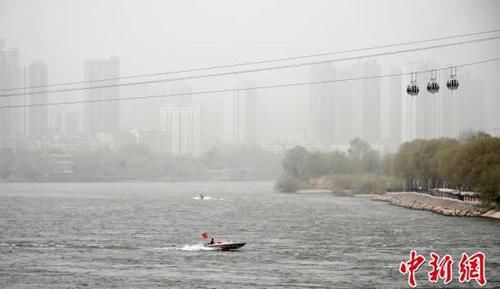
200,195
212,241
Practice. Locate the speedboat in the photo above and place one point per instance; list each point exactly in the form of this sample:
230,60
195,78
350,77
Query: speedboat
225,245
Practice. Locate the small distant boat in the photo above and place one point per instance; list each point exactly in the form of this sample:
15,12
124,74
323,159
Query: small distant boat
222,245
226,245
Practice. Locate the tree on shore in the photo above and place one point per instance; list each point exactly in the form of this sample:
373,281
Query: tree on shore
294,163
360,170
424,163
472,164
476,165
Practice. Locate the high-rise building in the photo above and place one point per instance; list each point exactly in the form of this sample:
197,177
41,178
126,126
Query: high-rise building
464,109
12,120
395,99
245,117
102,116
182,123
452,110
476,113
71,123
344,111
240,117
37,99
354,103
212,122
321,104
458,112
55,123
251,117
371,101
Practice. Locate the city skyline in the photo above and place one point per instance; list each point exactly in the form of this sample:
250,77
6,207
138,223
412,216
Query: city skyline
321,116
334,113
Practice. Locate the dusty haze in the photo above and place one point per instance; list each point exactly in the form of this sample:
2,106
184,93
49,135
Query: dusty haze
158,36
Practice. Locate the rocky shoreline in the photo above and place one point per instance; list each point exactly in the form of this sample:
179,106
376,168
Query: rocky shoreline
441,206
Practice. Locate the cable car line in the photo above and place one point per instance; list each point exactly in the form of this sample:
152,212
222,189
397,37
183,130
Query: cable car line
252,70
251,88
254,62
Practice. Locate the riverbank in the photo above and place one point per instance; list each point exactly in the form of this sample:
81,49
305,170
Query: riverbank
448,207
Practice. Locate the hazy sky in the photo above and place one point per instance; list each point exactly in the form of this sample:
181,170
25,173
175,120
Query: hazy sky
155,36
152,36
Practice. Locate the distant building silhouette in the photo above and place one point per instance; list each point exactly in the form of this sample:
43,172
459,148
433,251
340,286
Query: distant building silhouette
475,113
371,102
343,109
396,93
452,110
250,117
182,123
240,113
36,74
55,123
322,100
12,120
102,116
71,123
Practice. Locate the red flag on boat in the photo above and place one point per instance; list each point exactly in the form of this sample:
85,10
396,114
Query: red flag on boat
204,235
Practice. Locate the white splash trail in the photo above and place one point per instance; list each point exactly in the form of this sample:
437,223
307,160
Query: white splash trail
208,198
195,248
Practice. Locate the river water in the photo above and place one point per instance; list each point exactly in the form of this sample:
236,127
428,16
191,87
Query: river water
144,235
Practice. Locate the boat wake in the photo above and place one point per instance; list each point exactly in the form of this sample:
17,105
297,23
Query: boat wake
50,244
208,198
195,248
162,248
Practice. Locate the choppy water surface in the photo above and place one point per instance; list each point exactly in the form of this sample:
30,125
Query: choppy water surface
144,235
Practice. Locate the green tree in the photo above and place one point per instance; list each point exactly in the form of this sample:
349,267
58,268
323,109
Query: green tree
316,165
490,185
475,158
294,163
358,148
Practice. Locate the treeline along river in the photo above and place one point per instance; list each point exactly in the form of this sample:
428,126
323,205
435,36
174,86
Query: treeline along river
143,235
